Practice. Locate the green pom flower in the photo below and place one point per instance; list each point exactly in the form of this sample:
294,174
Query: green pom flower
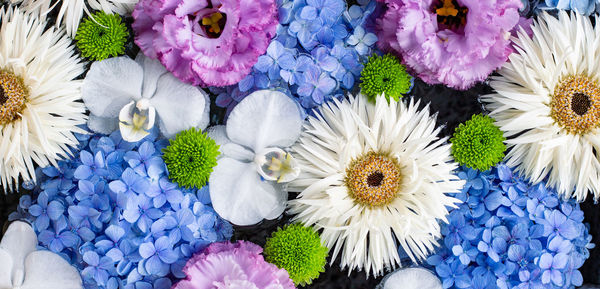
385,74
478,143
298,250
103,38
190,158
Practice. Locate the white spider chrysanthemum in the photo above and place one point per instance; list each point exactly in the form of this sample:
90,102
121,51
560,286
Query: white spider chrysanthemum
373,176
70,12
548,104
40,102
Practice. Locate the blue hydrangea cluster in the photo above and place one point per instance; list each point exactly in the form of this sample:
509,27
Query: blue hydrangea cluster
509,234
318,52
586,7
114,214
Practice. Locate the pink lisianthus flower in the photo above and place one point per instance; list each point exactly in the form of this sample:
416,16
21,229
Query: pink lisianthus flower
454,42
205,42
233,265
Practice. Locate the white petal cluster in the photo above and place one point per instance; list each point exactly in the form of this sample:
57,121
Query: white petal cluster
539,147
367,237
46,62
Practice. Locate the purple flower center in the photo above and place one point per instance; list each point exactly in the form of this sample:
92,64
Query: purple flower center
450,15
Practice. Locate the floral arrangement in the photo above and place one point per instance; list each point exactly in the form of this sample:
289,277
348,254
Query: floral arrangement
377,177
510,234
566,110
299,251
245,267
318,52
448,45
279,144
22,264
114,214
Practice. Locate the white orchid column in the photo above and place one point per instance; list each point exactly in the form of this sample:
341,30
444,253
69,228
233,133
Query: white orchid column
247,185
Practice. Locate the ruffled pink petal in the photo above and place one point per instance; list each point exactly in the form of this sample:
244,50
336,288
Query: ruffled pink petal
178,42
457,59
240,261
188,7
254,14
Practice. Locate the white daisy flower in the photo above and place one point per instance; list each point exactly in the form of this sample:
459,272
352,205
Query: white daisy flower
548,104
373,176
70,12
40,102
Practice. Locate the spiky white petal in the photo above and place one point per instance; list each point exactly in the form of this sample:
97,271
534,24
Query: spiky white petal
368,237
47,63
539,147
70,12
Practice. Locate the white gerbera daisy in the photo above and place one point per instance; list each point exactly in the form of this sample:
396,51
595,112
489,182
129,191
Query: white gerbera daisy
70,12
373,176
548,104
40,102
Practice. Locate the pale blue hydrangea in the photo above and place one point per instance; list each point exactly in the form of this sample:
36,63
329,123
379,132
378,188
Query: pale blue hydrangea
510,234
112,212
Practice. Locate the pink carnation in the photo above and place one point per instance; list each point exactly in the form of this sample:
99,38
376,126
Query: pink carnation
205,42
458,56
233,265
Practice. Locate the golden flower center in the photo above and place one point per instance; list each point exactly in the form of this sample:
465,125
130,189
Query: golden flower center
13,94
575,104
214,24
374,179
450,15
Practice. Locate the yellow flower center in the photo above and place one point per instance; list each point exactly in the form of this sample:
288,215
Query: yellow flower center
450,15
13,94
213,24
374,179
575,104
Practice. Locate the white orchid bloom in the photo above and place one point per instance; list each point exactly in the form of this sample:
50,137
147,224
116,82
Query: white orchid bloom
23,267
246,186
411,278
131,95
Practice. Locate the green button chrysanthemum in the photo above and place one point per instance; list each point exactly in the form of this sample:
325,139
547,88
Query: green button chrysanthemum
298,250
102,37
384,74
478,143
190,158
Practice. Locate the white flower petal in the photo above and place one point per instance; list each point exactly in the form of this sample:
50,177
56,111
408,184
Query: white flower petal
6,267
70,12
19,241
219,134
153,70
46,61
111,84
226,147
265,118
411,278
240,196
47,270
105,125
180,106
366,236
540,147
